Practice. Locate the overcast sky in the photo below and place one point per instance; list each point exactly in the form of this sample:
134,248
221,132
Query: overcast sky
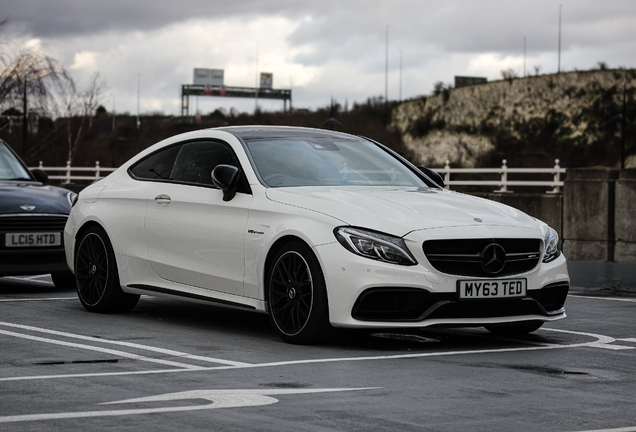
319,49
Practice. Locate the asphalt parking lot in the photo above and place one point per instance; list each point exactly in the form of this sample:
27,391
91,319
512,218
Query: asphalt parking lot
173,365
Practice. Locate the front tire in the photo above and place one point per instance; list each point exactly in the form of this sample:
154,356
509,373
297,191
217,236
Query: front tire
297,295
514,329
98,286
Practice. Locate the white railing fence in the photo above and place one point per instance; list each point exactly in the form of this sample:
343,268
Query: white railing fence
68,172
498,177
555,181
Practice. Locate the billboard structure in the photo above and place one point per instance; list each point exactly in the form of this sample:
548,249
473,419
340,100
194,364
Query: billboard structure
267,80
210,82
211,77
466,81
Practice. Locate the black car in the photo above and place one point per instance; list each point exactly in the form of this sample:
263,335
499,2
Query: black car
32,219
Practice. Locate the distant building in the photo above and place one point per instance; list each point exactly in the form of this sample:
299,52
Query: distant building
465,81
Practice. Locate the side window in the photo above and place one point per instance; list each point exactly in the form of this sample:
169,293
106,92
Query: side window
157,166
190,162
196,160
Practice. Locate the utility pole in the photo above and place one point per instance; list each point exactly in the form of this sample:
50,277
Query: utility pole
386,70
400,76
524,56
25,119
256,80
559,66
624,120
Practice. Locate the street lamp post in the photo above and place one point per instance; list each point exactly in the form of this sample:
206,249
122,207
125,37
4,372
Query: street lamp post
25,120
559,65
524,56
400,75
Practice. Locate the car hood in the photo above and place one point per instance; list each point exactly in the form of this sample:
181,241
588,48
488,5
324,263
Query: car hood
21,197
399,211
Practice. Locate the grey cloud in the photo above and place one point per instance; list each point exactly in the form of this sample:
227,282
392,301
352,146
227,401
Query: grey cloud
61,18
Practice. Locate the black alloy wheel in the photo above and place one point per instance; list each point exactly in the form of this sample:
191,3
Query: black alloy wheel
297,296
98,285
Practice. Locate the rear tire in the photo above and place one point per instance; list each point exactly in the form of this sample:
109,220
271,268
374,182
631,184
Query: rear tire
514,329
98,286
297,296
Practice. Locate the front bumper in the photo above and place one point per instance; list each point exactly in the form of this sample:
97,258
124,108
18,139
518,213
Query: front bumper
18,261
364,293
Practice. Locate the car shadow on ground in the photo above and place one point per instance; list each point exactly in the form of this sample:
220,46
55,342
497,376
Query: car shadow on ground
19,286
255,325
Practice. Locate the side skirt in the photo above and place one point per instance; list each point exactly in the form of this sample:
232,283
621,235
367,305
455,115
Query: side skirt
191,296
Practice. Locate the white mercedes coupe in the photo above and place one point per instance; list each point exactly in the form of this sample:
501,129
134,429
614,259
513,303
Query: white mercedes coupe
318,229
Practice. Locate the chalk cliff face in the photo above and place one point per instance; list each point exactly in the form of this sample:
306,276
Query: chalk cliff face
531,121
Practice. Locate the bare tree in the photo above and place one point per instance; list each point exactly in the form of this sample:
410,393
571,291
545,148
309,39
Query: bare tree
24,73
73,104
509,74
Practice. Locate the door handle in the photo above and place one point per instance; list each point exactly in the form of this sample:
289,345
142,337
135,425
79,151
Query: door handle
162,199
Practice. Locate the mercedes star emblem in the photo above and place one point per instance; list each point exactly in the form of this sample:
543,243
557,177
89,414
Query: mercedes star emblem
493,259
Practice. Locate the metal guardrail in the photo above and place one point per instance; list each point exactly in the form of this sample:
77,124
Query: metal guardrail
68,172
556,183
502,182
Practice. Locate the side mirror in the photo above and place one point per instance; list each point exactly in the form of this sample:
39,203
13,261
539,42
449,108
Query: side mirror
226,178
40,175
433,175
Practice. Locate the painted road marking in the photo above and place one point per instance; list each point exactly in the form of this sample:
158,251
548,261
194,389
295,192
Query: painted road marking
623,429
102,350
621,299
31,279
36,299
601,341
217,398
126,344
605,342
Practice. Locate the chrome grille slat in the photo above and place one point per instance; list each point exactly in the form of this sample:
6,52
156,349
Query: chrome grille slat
463,257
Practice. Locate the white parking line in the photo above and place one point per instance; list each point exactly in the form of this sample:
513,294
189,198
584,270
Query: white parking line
601,341
98,349
624,429
36,299
127,344
620,299
605,342
31,279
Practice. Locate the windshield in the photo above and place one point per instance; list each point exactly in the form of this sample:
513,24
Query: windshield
327,161
10,166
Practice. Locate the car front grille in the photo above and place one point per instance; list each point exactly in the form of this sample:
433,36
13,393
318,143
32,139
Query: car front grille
31,260
411,304
465,257
29,223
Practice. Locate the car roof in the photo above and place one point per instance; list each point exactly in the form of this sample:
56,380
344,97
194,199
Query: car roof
250,132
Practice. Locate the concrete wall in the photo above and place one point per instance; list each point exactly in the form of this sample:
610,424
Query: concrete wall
588,217
625,217
595,219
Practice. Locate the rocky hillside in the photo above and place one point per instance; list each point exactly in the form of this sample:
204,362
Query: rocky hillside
531,121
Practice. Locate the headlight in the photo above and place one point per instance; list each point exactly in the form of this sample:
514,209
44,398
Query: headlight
374,245
72,198
551,245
